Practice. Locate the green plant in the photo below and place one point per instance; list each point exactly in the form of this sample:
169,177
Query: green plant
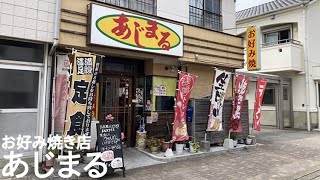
196,146
233,136
167,138
153,142
54,151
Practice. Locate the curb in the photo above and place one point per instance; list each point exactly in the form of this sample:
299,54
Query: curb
199,154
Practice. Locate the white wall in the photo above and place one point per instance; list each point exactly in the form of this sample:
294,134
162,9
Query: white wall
228,16
313,36
293,16
27,19
177,10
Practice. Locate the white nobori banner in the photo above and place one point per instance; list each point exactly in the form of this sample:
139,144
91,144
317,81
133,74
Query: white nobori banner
219,89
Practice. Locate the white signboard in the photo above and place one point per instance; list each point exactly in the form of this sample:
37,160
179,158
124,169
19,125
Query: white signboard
121,29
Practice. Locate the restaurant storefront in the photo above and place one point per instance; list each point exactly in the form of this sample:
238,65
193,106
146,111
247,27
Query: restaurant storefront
141,57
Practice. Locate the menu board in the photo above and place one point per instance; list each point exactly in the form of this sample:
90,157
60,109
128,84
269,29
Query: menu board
110,144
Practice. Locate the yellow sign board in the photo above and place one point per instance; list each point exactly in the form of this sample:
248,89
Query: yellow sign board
253,49
82,73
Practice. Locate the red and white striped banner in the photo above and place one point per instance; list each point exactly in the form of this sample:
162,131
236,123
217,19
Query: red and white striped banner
239,97
261,86
185,85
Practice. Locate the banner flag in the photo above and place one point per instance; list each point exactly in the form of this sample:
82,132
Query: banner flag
185,85
261,86
90,100
61,92
239,97
78,110
219,89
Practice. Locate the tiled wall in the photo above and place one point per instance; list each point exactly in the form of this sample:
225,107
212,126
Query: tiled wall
27,19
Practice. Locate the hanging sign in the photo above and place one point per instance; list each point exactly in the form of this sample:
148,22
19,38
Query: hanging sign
79,102
185,85
253,49
219,89
111,27
90,100
110,144
261,86
61,92
239,97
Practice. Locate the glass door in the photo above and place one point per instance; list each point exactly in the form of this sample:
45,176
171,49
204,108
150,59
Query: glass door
19,102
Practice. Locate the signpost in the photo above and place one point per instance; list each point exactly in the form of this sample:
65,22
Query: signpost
110,145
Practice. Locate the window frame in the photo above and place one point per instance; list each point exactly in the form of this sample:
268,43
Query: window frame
272,87
23,68
129,4
277,30
206,18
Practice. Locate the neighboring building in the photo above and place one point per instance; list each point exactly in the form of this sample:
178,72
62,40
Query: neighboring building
289,52
26,36
129,73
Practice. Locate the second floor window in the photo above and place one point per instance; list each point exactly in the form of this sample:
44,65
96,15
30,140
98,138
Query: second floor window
206,13
145,6
277,37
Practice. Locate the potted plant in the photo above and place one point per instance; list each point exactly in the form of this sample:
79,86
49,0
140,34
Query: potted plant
194,146
249,140
166,143
234,137
50,163
153,143
85,157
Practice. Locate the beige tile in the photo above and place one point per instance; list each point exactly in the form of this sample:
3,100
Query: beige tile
32,14
7,9
7,19
5,30
20,11
19,21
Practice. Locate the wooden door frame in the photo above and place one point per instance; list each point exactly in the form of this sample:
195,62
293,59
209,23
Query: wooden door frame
130,122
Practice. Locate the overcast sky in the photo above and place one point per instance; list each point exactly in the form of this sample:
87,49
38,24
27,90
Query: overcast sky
244,4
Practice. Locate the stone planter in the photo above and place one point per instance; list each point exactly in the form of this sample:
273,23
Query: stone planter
179,148
235,143
141,138
248,141
191,147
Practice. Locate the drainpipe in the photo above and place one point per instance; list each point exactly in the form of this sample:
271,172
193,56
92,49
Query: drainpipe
306,66
317,102
56,27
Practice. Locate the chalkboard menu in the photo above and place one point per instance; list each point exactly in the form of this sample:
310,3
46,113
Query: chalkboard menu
110,144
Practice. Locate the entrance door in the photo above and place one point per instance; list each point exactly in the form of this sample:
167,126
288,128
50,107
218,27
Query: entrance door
19,102
116,100
286,110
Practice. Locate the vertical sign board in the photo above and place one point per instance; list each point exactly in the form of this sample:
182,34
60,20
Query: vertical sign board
185,85
84,71
261,87
242,83
219,90
253,49
110,145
